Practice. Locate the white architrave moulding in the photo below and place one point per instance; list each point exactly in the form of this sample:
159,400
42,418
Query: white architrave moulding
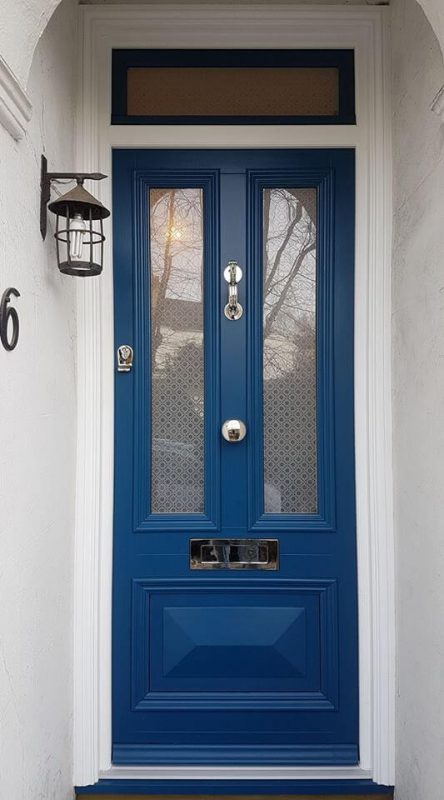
194,26
15,107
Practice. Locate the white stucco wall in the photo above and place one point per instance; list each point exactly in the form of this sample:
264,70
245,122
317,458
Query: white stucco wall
22,22
434,10
37,411
418,403
37,452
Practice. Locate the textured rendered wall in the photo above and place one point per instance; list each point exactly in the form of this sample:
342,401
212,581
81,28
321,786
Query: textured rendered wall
435,13
418,412
37,452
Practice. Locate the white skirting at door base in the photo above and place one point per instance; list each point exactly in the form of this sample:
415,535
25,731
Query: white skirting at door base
237,773
363,29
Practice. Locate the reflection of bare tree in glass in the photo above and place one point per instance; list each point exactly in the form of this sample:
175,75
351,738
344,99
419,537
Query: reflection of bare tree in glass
290,350
176,251
160,285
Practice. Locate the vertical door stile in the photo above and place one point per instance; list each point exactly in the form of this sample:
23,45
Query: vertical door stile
234,489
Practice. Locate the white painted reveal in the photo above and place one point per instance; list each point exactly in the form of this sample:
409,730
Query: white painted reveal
37,446
418,402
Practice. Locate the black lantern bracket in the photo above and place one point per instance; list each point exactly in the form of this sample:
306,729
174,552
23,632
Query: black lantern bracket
45,187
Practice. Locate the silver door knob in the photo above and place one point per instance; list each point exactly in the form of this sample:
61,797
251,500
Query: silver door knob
233,430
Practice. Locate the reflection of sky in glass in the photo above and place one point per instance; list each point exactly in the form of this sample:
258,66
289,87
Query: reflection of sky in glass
177,233
289,356
290,276
176,269
176,250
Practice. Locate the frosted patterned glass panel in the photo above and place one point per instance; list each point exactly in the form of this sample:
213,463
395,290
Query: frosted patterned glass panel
177,405
289,357
232,91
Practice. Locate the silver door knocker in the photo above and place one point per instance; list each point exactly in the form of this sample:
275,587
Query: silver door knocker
125,355
233,275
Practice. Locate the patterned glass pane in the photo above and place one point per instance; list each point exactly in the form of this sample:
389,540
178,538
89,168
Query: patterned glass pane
177,411
289,320
232,91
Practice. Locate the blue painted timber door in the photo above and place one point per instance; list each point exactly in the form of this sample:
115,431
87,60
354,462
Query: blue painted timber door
235,588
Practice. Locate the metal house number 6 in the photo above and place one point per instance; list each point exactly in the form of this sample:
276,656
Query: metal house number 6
9,321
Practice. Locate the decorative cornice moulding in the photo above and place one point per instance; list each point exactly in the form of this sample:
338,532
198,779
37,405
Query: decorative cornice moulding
438,104
15,107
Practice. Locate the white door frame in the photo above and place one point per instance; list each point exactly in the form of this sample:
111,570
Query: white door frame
279,26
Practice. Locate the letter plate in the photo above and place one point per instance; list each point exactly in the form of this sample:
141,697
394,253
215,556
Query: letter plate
234,554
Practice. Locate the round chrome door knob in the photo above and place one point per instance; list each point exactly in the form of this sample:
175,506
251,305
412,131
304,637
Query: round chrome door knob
233,430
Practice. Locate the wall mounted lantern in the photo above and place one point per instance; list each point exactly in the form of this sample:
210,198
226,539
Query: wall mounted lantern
79,227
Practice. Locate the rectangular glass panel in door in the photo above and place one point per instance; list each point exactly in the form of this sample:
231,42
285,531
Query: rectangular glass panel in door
289,350
177,350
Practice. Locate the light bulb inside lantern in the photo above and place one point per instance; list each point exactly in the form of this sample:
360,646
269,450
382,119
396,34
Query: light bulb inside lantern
77,230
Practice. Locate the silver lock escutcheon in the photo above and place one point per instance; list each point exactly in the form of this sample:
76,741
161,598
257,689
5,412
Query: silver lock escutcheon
125,357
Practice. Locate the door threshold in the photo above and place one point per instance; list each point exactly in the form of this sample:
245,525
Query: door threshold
355,796
234,790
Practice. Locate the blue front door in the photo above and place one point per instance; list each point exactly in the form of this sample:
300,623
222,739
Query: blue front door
235,591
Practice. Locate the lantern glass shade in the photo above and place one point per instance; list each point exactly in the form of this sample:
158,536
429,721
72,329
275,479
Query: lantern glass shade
79,233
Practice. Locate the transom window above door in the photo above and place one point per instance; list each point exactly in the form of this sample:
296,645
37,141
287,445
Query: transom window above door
297,87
